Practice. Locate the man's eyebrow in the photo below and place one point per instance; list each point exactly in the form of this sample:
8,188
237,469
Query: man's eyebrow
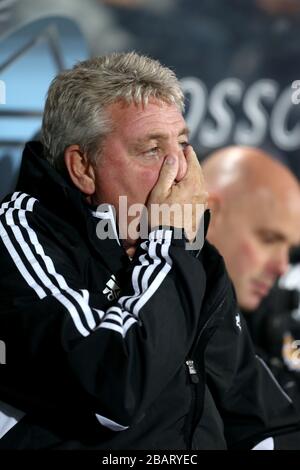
161,136
184,131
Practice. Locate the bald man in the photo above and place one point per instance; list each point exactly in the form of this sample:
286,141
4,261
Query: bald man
255,206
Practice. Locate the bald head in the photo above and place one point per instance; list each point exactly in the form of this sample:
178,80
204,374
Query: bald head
245,170
255,203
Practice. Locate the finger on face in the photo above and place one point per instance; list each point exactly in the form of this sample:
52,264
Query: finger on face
193,165
168,173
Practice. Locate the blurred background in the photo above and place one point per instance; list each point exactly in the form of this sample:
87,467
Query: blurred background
236,59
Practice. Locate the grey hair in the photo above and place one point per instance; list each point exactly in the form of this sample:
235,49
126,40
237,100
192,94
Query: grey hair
75,109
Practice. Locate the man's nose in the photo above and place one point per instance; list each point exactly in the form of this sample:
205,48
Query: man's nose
182,165
281,261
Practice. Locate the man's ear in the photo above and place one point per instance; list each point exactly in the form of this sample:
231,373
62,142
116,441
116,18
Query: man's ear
80,169
214,203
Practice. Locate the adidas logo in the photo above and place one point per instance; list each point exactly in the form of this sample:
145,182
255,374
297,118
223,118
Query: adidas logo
238,321
112,291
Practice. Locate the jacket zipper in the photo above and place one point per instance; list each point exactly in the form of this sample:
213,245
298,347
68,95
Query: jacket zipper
193,371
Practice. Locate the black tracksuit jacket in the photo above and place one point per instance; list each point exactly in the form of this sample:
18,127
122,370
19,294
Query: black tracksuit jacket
104,352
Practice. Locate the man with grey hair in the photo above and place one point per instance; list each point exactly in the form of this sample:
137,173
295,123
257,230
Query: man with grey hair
105,327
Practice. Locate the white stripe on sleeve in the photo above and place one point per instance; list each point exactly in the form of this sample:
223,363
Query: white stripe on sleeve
108,423
266,444
9,417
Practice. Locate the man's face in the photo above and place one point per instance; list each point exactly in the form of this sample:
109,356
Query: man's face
133,153
254,235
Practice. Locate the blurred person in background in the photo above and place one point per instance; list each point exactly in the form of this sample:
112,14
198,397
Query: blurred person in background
255,205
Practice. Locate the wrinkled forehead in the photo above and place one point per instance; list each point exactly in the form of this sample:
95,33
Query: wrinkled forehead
156,118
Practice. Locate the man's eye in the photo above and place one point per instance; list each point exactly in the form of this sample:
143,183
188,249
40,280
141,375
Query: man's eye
152,151
183,145
269,238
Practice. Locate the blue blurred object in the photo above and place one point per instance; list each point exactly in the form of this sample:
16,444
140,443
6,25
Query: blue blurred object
29,58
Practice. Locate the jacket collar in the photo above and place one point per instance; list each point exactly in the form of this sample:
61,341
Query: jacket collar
58,194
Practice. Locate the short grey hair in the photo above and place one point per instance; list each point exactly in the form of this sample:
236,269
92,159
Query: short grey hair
75,109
